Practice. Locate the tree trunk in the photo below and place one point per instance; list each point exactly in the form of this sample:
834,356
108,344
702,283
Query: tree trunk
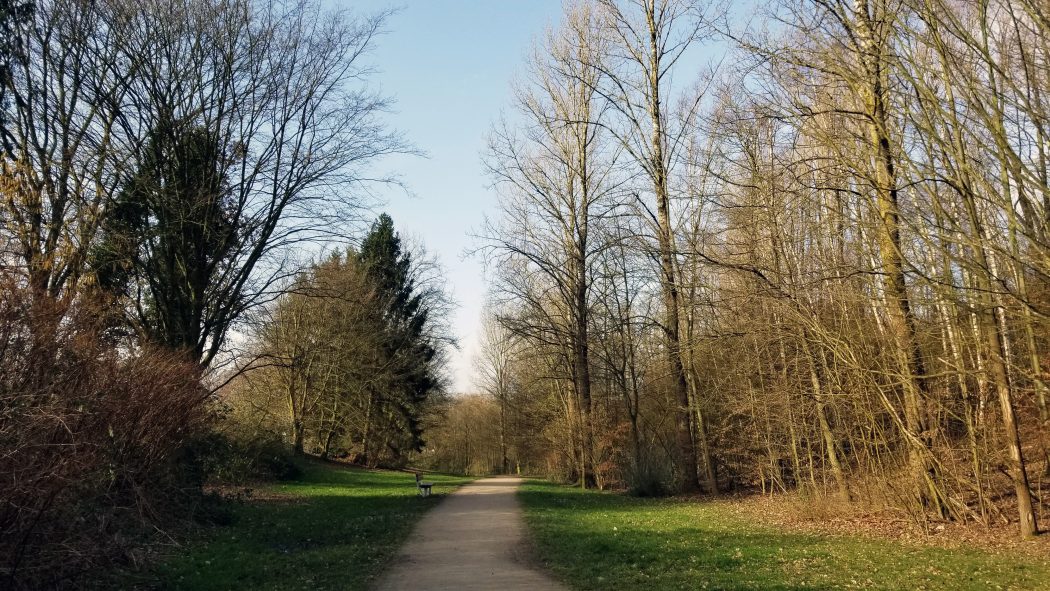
686,462
900,320
505,462
1001,377
825,426
583,386
366,437
993,319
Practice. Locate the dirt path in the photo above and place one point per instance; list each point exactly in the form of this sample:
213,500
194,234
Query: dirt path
472,540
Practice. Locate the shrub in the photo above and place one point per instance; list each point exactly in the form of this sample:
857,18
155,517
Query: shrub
648,477
234,460
93,442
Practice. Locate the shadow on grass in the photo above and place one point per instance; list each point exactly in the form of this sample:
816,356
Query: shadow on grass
344,526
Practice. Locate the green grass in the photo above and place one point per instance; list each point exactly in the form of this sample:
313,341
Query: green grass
335,528
596,540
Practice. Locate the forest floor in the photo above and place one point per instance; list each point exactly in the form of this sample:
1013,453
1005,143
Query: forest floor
596,540
334,528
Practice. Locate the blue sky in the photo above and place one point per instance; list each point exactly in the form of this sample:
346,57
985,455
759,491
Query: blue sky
449,65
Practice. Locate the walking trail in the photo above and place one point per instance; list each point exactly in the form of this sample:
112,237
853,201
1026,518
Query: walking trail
471,540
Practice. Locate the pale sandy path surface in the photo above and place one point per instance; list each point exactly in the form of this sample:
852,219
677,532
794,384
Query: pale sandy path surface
471,541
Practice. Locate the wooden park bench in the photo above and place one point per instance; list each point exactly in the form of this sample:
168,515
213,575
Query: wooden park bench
423,487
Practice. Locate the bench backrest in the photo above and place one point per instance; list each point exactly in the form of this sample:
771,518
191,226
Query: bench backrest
419,477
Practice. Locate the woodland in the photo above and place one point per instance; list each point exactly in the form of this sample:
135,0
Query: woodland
815,263
800,249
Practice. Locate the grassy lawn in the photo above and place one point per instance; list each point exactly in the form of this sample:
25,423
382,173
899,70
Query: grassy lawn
605,541
335,528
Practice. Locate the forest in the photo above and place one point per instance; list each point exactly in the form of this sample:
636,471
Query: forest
815,262
793,250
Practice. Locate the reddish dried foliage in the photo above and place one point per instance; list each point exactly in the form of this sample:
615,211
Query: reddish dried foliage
90,439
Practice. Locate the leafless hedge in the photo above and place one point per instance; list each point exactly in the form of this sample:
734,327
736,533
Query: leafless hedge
89,437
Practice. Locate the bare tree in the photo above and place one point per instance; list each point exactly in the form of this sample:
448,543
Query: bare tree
61,153
648,38
279,88
558,180
493,366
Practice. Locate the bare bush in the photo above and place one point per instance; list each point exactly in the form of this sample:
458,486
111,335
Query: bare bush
93,441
